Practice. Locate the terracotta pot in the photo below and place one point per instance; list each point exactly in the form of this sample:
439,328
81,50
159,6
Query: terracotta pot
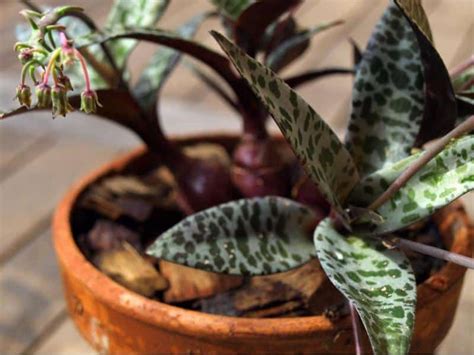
116,320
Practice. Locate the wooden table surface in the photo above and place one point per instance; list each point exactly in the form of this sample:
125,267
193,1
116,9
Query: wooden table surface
40,158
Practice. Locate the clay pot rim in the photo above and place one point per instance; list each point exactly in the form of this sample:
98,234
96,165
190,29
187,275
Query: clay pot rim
192,322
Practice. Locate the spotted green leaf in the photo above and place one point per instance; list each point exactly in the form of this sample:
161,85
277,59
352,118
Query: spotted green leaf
327,162
137,13
161,65
373,185
388,95
294,47
232,8
415,9
244,237
440,112
379,282
446,177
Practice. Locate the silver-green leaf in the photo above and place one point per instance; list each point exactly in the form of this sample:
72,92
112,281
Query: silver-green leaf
245,237
232,8
161,65
445,178
378,281
388,95
137,13
326,160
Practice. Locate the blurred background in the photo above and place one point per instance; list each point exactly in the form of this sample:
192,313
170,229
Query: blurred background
40,158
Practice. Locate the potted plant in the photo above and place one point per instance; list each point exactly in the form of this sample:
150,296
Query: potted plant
374,185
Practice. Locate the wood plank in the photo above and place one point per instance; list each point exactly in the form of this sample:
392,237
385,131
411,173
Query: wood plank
31,194
66,340
31,294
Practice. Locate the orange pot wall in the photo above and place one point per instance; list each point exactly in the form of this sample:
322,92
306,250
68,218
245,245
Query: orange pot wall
116,320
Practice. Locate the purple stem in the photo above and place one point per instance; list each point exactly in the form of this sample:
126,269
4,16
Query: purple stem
355,328
434,252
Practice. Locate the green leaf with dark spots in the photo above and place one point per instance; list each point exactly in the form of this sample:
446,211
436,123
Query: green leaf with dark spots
445,178
137,13
326,160
440,111
237,237
379,282
388,95
415,9
232,8
161,65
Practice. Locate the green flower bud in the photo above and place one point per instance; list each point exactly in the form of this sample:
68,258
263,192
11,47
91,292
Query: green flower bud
60,101
89,101
25,56
23,94
43,95
64,81
68,56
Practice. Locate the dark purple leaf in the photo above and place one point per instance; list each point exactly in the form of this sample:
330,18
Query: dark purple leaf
254,20
306,77
293,47
126,114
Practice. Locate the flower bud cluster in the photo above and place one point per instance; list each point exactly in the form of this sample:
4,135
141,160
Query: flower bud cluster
40,56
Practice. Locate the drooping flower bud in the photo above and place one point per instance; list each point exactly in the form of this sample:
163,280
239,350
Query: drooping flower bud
25,55
23,94
68,55
64,81
43,95
60,101
89,101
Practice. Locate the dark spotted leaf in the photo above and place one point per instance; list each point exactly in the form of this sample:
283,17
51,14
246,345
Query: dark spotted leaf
378,281
415,10
245,237
137,13
293,47
161,65
446,177
253,21
232,8
327,162
440,110
388,95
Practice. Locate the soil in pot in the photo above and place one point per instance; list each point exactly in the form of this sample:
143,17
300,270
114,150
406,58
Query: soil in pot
118,216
